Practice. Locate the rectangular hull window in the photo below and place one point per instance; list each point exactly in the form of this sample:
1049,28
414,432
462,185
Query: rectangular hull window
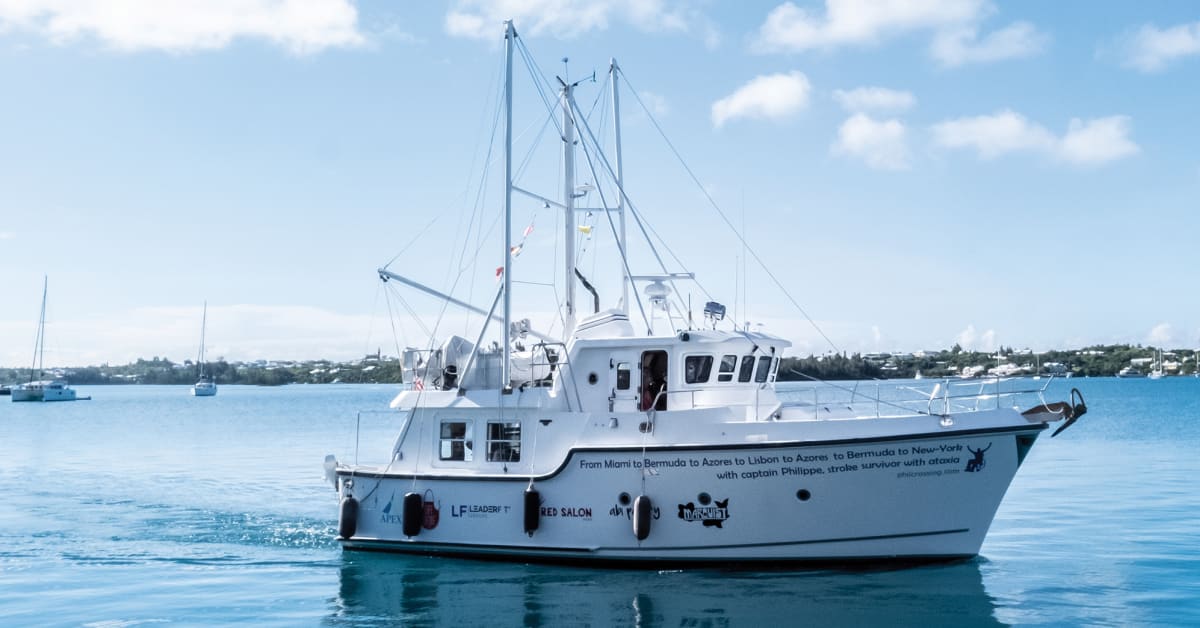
503,442
456,441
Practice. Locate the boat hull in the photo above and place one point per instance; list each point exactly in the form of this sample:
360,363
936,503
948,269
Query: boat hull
23,394
908,499
57,392
204,391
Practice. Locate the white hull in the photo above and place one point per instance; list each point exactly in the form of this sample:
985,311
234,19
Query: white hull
204,389
907,498
22,394
57,391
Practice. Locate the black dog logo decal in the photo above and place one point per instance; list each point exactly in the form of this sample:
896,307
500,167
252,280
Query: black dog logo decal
708,516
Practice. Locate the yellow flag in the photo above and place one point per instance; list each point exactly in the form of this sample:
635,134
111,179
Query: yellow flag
585,229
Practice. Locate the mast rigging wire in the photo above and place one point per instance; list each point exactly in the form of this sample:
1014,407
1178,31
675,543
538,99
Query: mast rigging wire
728,223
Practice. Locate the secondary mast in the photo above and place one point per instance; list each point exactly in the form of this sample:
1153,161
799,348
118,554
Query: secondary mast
510,35
616,102
569,204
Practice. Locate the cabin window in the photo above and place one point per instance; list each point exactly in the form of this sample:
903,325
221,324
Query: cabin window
622,376
728,362
503,441
697,368
775,370
747,368
456,441
764,369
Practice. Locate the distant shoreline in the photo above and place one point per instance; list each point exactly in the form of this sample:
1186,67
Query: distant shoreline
1092,361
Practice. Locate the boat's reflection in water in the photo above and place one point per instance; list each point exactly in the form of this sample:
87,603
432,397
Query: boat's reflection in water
394,589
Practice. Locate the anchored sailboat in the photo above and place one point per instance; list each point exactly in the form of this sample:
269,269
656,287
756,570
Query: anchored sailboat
205,387
42,390
606,444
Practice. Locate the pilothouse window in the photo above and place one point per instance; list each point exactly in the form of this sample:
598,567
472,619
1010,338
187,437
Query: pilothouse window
764,369
622,376
503,441
728,362
747,368
456,441
697,368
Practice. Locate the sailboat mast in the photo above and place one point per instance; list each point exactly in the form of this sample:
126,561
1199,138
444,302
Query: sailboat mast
39,343
616,102
569,204
510,35
203,329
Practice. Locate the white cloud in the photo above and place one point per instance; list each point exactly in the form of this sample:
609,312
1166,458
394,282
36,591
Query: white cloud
993,135
483,19
188,25
1089,142
1097,141
1150,48
789,28
771,96
1161,335
7,235
955,23
874,99
880,144
655,103
962,46
971,340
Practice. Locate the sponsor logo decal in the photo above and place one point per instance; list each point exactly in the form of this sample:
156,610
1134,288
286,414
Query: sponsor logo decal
710,513
577,512
387,516
976,463
476,510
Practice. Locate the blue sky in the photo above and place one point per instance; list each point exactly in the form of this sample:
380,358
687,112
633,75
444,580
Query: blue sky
916,173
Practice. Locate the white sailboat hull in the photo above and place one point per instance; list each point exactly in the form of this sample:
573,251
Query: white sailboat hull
204,389
43,391
26,394
916,498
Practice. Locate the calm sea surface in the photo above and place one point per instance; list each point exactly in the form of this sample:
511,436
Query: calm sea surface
148,506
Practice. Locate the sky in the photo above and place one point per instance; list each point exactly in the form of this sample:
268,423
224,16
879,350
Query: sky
913,174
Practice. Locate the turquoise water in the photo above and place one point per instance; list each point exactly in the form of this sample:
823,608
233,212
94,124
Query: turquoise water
146,506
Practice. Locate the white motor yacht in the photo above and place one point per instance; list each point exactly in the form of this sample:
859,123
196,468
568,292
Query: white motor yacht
636,436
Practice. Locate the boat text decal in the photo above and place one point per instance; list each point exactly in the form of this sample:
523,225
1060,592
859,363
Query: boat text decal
916,460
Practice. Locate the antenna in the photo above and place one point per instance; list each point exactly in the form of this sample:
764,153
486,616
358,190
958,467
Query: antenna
745,280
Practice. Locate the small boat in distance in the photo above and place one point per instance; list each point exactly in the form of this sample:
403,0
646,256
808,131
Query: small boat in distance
1130,372
1156,370
205,387
42,390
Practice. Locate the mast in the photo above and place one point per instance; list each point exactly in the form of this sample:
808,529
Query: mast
203,329
620,184
510,35
39,342
569,204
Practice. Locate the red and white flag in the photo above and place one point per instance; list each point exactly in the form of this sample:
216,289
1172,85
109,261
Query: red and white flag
418,383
